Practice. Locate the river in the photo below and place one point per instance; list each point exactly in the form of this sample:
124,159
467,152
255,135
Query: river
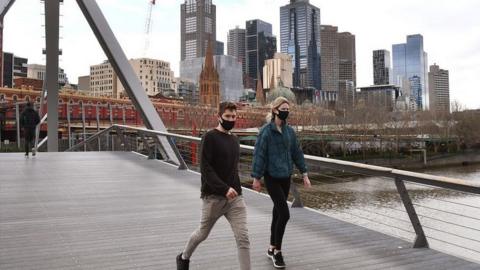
451,220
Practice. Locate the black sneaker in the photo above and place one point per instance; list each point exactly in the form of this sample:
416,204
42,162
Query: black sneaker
278,261
270,252
181,263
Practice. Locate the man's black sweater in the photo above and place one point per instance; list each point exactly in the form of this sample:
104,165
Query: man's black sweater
219,163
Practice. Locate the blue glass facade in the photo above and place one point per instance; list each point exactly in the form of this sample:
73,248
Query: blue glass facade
260,46
409,62
300,38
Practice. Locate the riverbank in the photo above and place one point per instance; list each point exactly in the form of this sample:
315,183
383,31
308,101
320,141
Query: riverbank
416,162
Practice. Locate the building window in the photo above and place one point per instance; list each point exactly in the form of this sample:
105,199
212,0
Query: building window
208,6
191,6
191,25
208,25
191,49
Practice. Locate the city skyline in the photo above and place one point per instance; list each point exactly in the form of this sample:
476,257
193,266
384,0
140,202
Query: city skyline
23,33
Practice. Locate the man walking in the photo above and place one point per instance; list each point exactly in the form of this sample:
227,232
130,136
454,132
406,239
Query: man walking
29,120
221,191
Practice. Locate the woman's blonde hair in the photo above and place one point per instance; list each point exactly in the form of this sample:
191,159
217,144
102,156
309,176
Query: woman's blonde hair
279,101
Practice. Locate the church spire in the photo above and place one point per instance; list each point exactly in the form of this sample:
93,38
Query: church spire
272,83
209,80
259,93
209,65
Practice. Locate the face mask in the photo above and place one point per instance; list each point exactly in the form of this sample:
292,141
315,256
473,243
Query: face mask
227,125
283,115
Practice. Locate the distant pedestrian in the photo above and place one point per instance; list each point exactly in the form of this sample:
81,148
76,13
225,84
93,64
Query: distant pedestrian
276,150
29,119
221,191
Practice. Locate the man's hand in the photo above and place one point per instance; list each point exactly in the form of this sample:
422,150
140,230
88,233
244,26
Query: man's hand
306,182
231,194
257,186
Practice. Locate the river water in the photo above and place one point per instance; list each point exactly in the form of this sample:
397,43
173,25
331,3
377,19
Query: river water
451,220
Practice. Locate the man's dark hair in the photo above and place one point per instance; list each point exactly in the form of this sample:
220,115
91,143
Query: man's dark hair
226,105
29,104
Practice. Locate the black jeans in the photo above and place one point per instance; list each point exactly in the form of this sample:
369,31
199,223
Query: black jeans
29,136
278,189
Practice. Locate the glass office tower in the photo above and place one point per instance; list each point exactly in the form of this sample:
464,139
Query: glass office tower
300,38
409,62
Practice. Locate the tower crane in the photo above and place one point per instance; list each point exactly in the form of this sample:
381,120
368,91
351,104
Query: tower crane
148,26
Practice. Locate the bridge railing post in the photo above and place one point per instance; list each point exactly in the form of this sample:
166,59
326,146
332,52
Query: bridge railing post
182,165
297,201
420,240
151,154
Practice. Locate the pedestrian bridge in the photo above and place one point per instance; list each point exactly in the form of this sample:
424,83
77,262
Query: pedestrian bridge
119,210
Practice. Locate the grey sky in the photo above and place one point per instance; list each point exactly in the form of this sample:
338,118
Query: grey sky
450,29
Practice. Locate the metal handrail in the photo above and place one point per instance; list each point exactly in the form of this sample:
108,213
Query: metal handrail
420,178
399,176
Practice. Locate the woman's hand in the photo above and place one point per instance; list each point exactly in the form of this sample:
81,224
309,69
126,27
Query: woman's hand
306,182
257,186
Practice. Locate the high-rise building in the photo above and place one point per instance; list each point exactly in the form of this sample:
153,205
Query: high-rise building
13,67
347,57
260,46
187,90
4,6
382,97
439,88
278,69
415,98
346,96
382,68
103,80
219,48
236,46
1,52
330,58
84,83
155,76
410,64
198,27
300,37
38,72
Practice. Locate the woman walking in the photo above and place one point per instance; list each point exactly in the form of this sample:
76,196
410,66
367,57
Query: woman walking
276,150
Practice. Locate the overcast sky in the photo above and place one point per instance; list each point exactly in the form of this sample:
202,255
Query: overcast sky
451,31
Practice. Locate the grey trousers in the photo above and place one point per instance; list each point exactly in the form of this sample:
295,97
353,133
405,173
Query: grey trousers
235,211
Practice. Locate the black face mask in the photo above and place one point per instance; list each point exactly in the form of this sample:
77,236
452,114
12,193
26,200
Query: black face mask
283,115
227,125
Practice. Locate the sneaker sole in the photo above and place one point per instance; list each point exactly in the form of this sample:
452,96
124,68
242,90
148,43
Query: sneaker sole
269,256
277,266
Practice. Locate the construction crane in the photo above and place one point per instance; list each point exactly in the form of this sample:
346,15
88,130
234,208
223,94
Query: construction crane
148,26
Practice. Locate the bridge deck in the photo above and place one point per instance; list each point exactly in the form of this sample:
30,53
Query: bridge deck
121,211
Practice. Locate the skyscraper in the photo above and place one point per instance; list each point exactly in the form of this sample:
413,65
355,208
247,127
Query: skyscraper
236,46
330,59
260,46
410,65
300,37
220,48
382,69
13,67
347,57
439,88
198,26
